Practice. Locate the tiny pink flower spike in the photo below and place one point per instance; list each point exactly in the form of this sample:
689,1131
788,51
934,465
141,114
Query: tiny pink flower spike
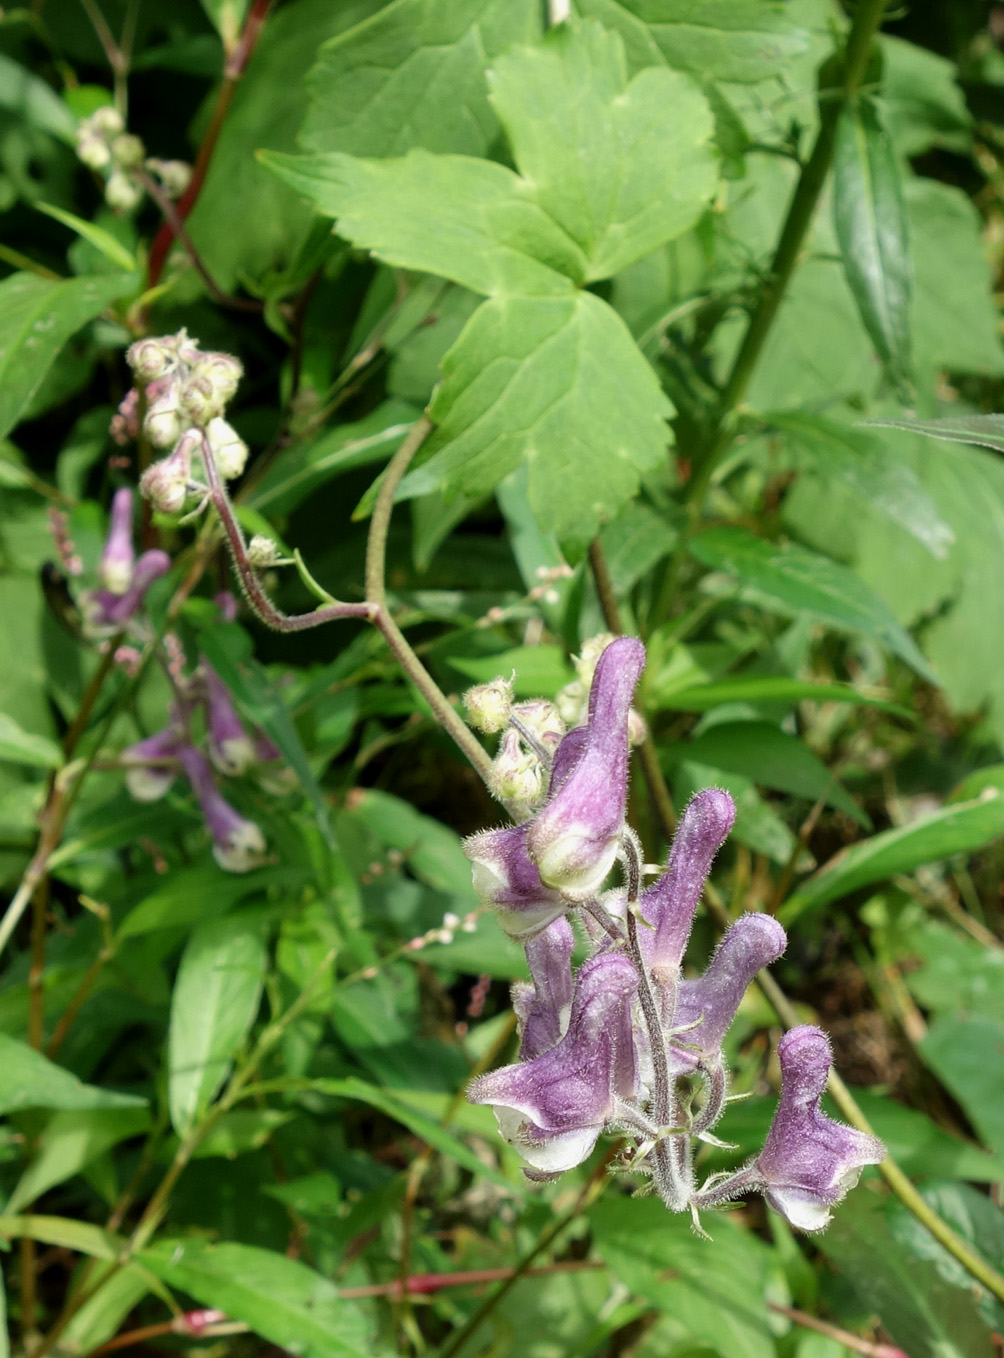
151,765
543,1008
575,838
506,879
808,1161
711,1001
553,1108
231,748
669,904
115,568
238,844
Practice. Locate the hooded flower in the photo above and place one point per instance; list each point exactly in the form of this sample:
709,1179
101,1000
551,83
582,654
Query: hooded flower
544,1006
808,1161
231,748
106,612
506,878
575,838
553,1108
151,765
238,844
115,569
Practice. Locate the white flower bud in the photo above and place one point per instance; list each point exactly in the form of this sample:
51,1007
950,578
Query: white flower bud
197,401
242,849
163,423
104,122
228,448
542,719
165,483
637,730
571,702
516,777
127,151
222,372
149,359
93,152
263,552
592,649
121,192
174,175
488,705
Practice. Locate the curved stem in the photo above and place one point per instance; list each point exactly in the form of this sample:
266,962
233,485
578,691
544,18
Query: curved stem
376,543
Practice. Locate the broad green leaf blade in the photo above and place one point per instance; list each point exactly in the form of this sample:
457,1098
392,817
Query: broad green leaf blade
735,40
870,218
961,828
469,220
121,1289
280,1299
190,895
873,470
22,747
215,1001
396,1106
769,688
985,431
112,249
432,850
540,671
559,384
70,1141
595,146
966,1052
715,1291
771,758
30,1080
78,1236
228,650
920,1147
34,102
794,581
37,317
926,1315
413,75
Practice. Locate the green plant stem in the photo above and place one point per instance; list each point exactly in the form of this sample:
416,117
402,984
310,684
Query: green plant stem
786,1013
376,542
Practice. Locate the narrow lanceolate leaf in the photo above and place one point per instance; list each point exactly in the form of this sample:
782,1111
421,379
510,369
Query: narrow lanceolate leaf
985,431
962,827
37,317
280,1299
29,1080
795,581
870,218
24,747
215,1001
413,75
470,220
595,145
559,384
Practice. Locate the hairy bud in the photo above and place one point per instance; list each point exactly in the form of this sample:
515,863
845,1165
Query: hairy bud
488,705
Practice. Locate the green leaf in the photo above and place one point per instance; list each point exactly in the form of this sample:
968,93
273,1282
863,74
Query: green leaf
735,40
768,688
771,758
101,239
227,649
635,541
966,1052
247,1129
871,225
432,851
226,16
215,1001
413,75
961,828
473,221
30,99
560,384
395,1106
715,1291
21,747
985,431
595,146
922,102
101,1317
540,671
4,1333
70,1141
958,975
797,582
37,317
64,1232
872,469
280,1299
190,895
920,1147
30,1080
928,1317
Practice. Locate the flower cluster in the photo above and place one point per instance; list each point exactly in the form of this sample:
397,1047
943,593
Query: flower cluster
628,1044
185,392
104,144
201,700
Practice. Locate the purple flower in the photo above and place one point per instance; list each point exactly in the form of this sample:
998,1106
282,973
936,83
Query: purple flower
575,837
809,1161
711,1001
115,569
238,844
669,904
543,1007
105,612
231,748
151,765
554,1107
506,878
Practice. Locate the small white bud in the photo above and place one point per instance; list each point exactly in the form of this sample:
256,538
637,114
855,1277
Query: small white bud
93,152
592,649
516,777
174,175
163,423
263,552
222,372
105,122
121,192
542,719
197,401
149,359
488,705
571,702
637,730
228,448
127,151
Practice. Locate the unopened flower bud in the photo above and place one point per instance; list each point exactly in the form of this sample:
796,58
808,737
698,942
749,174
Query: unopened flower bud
174,175
516,776
263,552
228,448
571,702
104,122
122,192
163,423
197,401
116,565
127,151
592,649
542,719
488,705
93,152
151,765
637,730
165,483
223,372
149,359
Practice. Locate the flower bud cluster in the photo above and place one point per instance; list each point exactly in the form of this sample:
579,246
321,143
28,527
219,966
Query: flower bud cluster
186,395
627,1043
104,144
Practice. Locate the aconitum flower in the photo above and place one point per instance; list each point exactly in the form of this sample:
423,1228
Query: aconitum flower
115,569
230,747
543,1007
553,1108
506,878
575,838
238,843
151,765
809,1162
105,612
